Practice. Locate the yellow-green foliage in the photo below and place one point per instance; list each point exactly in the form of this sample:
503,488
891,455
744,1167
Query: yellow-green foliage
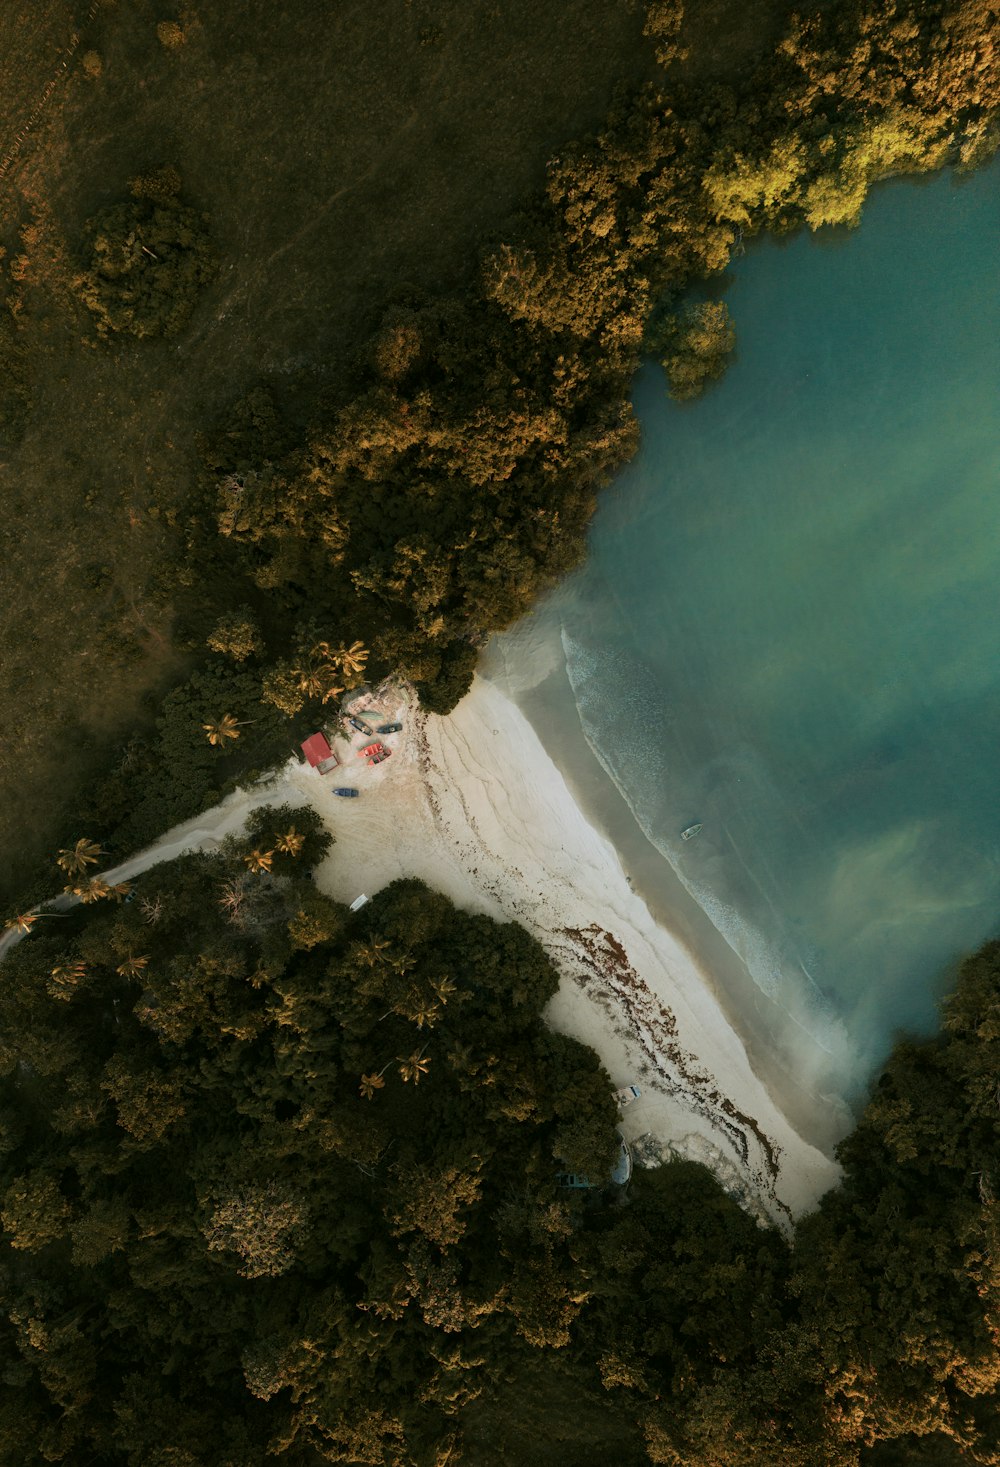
696,348
236,635
170,34
664,19
745,189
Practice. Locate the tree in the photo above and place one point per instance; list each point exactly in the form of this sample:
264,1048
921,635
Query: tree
76,860
696,347
290,842
148,260
34,1212
412,1066
133,966
23,922
263,1225
236,635
221,729
95,889
352,659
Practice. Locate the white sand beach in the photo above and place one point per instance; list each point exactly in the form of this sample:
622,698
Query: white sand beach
474,806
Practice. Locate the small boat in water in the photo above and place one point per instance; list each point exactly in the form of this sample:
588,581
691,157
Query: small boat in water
690,831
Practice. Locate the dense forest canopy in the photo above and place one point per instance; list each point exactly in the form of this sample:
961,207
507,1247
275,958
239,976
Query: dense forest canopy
279,1180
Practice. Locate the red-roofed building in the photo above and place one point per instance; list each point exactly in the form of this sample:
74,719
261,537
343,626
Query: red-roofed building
318,753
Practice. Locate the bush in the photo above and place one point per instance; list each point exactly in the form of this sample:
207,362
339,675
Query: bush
148,262
170,34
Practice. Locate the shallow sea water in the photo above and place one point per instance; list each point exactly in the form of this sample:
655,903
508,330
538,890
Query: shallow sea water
788,628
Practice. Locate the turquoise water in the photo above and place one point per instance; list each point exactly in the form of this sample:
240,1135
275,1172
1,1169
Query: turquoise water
788,626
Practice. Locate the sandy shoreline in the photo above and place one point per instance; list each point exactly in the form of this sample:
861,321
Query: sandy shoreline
786,1069
474,806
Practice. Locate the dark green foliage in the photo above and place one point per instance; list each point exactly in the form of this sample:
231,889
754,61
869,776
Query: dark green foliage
15,391
452,680
236,635
443,478
262,1190
178,772
318,1178
149,260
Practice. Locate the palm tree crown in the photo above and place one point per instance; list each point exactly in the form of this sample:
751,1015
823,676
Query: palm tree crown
132,966
352,658
91,891
227,727
291,842
23,922
411,1067
76,860
369,1084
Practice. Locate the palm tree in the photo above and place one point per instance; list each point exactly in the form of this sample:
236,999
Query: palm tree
227,727
90,891
401,963
413,1066
259,861
318,680
291,843
75,861
371,951
132,966
369,1084
152,909
120,890
351,659
444,988
23,922
426,1013
311,681
65,976
460,1057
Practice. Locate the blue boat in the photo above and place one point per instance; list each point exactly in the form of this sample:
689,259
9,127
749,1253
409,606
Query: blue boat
389,728
361,727
347,792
